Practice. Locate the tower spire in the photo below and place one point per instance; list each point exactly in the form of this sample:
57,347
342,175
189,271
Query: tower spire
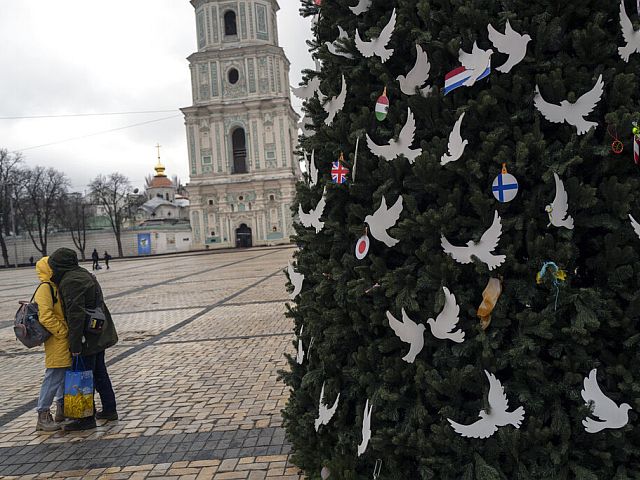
159,168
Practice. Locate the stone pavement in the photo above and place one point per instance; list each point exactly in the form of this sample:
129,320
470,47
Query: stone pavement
202,337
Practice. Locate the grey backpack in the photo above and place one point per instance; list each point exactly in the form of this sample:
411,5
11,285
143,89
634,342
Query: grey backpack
26,325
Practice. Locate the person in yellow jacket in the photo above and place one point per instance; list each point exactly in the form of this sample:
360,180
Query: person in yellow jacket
56,349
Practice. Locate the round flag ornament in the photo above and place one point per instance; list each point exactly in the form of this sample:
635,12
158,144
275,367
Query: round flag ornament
362,247
382,106
505,186
318,2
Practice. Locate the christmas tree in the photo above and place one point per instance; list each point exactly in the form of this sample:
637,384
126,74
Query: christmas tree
563,252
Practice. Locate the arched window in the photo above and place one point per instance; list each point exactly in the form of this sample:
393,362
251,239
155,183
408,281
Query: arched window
230,26
239,145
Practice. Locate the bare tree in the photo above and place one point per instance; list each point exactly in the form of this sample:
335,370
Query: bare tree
112,193
74,211
38,195
10,165
180,188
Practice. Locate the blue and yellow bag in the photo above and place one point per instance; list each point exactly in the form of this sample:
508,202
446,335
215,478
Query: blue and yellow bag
78,391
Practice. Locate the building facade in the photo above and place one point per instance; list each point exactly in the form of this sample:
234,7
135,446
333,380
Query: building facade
241,128
163,204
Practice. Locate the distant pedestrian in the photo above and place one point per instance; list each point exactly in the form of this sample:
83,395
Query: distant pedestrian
56,349
89,335
106,257
31,260
95,256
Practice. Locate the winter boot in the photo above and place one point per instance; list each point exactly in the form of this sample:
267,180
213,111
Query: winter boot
46,423
87,423
102,415
59,418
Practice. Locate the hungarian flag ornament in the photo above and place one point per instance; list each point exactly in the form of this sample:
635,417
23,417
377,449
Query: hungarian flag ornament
338,171
318,2
362,246
505,186
382,106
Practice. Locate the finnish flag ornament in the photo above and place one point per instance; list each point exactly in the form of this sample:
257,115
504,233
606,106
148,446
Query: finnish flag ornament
505,186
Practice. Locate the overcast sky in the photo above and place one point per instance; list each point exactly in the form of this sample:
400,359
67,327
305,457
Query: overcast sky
84,56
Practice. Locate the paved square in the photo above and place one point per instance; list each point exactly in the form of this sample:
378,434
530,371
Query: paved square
202,336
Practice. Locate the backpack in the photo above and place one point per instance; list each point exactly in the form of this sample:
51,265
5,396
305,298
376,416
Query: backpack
26,325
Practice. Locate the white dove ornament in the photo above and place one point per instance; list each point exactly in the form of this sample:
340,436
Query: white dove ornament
443,326
635,225
366,428
572,113
558,210
383,219
338,44
335,104
481,250
456,144
362,7
511,43
610,414
496,417
409,332
312,219
418,75
307,91
378,46
631,36
475,62
300,355
402,146
296,280
325,414
313,170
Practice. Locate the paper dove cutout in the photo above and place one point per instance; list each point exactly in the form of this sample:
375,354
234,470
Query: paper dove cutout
312,219
511,43
481,250
333,106
572,113
402,146
409,332
378,46
610,414
475,62
339,44
418,75
383,219
313,170
325,414
366,428
558,210
631,36
363,6
635,225
456,144
442,327
497,416
300,354
307,91
303,125
296,280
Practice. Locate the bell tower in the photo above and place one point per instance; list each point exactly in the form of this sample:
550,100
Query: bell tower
241,128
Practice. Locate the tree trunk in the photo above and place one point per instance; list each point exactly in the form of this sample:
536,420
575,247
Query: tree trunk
119,244
5,253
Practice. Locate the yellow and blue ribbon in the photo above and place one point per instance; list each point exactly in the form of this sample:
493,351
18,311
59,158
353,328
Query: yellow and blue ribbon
559,275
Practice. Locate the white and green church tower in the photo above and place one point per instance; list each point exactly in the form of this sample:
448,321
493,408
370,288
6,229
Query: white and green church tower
241,128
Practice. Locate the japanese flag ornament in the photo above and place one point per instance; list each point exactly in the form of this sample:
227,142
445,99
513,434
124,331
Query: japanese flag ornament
362,246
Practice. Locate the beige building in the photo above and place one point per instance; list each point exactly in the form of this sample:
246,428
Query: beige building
241,128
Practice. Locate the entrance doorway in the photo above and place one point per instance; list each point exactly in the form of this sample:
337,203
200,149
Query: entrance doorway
243,237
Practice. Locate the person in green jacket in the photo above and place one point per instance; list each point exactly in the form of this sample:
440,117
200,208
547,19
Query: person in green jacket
81,293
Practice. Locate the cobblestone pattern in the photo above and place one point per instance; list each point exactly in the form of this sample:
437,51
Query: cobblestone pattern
195,374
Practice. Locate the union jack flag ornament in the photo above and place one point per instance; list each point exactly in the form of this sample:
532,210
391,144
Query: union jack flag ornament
339,172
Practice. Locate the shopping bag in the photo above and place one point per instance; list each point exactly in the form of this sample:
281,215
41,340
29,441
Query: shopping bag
78,391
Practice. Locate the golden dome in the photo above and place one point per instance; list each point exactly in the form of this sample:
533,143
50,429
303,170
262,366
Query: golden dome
159,168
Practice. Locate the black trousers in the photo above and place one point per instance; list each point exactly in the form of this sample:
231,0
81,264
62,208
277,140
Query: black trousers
101,380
